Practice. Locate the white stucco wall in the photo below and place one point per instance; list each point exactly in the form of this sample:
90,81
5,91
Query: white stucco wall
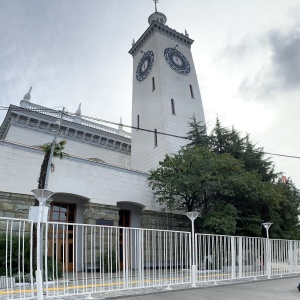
101,183
31,137
154,107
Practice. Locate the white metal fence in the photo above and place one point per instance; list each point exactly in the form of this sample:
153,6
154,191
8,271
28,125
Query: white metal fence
86,259
105,258
16,263
232,257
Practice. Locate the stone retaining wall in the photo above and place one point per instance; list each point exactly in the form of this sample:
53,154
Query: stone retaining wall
14,205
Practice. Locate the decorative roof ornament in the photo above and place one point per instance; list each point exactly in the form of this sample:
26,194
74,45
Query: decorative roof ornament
155,1
77,117
133,42
27,96
78,112
121,124
157,16
185,33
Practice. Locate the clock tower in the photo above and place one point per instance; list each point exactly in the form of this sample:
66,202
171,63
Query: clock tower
165,93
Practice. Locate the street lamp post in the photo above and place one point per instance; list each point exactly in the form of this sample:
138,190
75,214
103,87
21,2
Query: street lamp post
42,196
267,225
192,215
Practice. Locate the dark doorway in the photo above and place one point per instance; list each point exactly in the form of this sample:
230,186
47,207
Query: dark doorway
62,237
124,221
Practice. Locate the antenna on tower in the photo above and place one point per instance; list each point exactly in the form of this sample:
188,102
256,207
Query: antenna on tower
155,1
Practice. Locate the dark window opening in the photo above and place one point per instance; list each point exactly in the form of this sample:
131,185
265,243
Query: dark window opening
153,84
173,106
155,137
138,121
192,92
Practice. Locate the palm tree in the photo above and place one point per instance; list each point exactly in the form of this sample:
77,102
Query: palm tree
58,152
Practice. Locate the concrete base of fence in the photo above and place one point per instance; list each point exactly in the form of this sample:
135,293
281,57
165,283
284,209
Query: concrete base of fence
7,282
245,268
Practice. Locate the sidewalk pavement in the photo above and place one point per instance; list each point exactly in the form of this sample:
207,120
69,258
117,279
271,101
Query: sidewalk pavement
272,289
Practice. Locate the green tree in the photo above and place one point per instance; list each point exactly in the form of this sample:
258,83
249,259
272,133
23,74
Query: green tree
221,218
230,182
198,133
198,179
223,140
281,202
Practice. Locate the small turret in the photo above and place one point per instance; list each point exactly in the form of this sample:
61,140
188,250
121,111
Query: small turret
26,99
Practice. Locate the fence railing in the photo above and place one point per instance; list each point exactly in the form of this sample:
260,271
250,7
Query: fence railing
86,259
16,261
106,258
232,257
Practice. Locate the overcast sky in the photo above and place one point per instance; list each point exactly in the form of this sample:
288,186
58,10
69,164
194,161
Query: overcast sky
246,53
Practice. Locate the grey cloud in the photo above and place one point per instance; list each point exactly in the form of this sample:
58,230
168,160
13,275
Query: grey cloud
286,58
238,51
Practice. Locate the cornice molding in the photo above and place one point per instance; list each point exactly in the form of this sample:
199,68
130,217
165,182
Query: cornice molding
36,121
157,27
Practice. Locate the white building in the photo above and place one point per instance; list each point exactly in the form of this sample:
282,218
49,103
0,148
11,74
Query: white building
103,179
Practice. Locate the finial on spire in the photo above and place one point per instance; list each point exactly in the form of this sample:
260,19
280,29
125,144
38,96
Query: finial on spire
78,112
133,42
121,124
155,1
27,96
185,33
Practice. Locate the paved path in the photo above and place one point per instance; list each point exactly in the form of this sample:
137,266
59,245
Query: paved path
274,289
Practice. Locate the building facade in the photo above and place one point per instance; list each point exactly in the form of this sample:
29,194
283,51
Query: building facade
103,177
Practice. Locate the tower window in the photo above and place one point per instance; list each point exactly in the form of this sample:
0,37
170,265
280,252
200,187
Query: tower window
138,121
173,106
191,90
155,137
153,84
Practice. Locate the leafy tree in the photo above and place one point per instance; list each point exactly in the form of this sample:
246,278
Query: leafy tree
198,179
223,140
221,218
229,181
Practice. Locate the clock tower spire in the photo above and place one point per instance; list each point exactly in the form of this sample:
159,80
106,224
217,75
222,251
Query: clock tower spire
165,93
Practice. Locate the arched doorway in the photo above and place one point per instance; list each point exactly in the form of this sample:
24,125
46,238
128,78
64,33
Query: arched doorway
63,238
129,216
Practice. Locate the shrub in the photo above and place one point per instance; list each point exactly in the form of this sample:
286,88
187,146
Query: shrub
16,250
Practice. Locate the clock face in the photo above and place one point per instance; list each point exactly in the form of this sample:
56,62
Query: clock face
145,65
177,61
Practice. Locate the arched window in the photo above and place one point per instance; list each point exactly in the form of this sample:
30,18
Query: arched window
191,90
153,84
173,106
138,121
155,137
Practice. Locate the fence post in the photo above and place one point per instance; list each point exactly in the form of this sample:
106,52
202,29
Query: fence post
268,259
39,276
42,196
192,215
194,266
240,256
233,257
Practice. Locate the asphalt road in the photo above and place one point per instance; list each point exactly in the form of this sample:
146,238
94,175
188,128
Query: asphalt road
273,289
